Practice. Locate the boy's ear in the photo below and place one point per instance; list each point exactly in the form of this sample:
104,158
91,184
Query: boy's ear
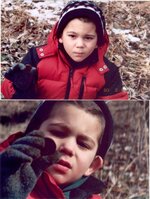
95,165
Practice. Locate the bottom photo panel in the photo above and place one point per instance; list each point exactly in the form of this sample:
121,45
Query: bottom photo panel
74,149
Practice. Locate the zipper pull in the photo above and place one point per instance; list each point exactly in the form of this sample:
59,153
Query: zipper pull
71,72
69,82
82,87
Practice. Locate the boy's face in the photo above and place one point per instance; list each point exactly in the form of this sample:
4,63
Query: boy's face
76,135
79,39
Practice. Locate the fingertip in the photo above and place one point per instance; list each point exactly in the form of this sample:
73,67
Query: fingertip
49,148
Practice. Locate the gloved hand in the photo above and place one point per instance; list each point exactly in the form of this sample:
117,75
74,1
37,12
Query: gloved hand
24,78
23,162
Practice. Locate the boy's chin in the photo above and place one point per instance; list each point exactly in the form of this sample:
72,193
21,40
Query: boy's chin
60,179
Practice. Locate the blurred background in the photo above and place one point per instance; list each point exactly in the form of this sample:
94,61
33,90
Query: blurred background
125,171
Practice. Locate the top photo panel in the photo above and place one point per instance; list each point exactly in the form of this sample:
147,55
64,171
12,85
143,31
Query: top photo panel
75,49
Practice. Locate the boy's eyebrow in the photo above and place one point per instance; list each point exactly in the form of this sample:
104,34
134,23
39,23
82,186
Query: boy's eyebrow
68,130
63,126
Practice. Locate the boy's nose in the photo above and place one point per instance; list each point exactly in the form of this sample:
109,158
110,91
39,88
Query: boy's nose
67,148
79,43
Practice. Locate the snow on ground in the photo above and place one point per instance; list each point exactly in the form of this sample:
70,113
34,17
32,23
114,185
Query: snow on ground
127,34
47,10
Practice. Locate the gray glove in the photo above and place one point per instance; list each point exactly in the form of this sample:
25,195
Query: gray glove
22,76
24,79
23,162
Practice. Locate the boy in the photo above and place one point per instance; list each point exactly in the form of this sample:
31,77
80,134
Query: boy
72,64
81,132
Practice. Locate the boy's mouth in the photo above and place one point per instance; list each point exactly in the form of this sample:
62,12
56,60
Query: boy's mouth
62,166
78,53
64,163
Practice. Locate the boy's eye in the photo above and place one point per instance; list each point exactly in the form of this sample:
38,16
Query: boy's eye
58,133
89,38
83,144
71,35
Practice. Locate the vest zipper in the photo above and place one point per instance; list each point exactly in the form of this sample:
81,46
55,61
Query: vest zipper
69,83
82,87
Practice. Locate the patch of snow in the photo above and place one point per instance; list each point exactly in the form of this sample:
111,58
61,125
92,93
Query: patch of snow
42,10
42,15
132,38
46,10
120,31
126,34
